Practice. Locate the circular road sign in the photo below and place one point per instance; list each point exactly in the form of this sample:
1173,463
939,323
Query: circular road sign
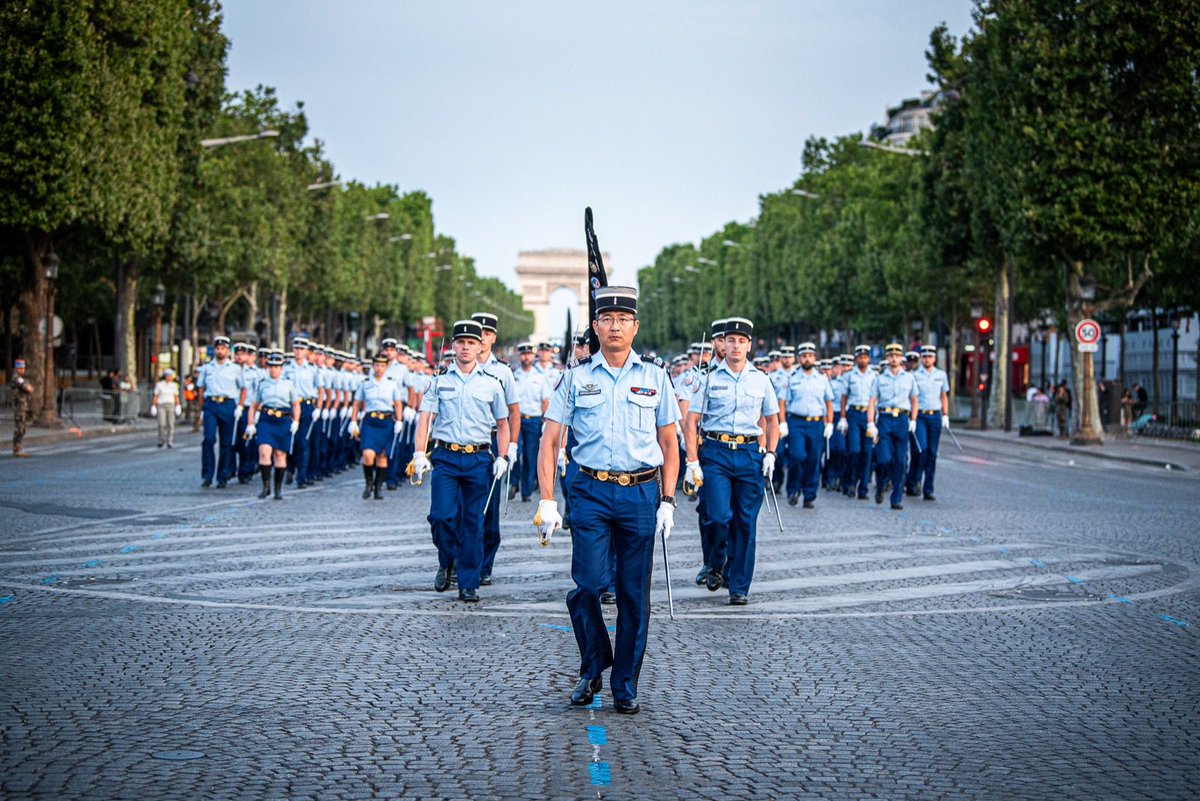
1087,331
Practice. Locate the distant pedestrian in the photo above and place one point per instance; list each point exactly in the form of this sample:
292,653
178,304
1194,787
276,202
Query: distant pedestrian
166,395
1126,410
1062,405
22,392
1141,399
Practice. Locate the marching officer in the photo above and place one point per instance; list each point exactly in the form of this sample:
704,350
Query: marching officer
836,466
459,411
622,411
896,415
274,419
245,449
858,423
933,415
379,403
22,392
502,373
533,390
221,396
397,370
545,359
303,375
731,466
808,404
779,381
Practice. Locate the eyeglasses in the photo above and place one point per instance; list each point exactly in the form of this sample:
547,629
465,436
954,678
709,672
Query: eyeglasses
610,320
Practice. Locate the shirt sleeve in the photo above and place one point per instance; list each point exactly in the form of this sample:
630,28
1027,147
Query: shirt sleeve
770,405
510,389
561,407
668,406
912,388
500,405
429,401
944,383
202,377
360,394
828,390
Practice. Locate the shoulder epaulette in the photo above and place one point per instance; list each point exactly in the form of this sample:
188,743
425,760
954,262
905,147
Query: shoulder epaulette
585,360
442,369
658,360
492,376
501,361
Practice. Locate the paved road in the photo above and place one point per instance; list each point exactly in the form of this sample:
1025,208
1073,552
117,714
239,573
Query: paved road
1031,634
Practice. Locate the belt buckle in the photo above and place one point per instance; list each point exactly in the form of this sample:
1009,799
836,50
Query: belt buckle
454,446
740,439
602,475
624,479
723,437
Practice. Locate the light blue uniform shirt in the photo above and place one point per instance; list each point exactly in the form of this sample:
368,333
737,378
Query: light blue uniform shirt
930,386
418,382
397,372
839,391
251,375
779,380
860,387
500,370
732,403
615,414
378,395
221,380
895,391
807,393
532,388
686,383
303,376
546,369
275,393
466,405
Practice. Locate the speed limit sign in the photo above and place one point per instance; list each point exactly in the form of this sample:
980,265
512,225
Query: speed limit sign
1087,334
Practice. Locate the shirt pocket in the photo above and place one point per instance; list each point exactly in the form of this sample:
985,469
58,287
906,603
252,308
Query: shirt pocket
589,414
642,411
750,407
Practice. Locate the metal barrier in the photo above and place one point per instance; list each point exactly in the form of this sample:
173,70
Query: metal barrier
92,407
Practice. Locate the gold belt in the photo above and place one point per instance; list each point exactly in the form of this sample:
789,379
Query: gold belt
931,411
275,412
894,411
859,408
218,398
378,415
454,446
808,418
624,479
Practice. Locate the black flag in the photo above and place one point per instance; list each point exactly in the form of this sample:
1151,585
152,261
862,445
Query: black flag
596,277
568,349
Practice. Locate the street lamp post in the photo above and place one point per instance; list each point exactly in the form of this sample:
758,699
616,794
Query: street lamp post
1086,435
49,414
976,421
1174,416
159,297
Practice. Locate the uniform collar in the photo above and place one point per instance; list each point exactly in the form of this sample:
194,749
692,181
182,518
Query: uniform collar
465,376
724,365
632,361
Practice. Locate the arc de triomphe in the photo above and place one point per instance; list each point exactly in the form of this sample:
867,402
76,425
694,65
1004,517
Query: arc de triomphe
542,272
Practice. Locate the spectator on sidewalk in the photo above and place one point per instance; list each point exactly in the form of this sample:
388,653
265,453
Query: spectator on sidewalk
1140,400
1126,410
22,392
166,394
108,383
1062,406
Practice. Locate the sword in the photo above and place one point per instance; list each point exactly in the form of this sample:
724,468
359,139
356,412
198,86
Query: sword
507,487
950,431
311,423
775,498
913,435
491,489
667,568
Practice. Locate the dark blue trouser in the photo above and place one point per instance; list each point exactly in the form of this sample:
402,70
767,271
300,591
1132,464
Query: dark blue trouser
302,447
527,454
458,486
245,450
218,433
783,458
858,452
837,455
608,519
922,467
491,519
805,445
395,465
733,492
892,453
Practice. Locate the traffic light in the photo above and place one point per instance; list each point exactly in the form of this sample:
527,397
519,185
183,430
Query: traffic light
983,325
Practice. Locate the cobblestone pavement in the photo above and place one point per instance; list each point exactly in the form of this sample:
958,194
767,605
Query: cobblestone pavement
1031,634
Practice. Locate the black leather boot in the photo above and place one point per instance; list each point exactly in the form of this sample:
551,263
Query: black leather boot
380,475
265,469
279,471
367,478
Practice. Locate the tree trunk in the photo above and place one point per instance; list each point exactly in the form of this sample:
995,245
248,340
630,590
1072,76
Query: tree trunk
1001,402
252,300
1121,355
1082,393
952,358
1154,357
277,325
126,333
32,305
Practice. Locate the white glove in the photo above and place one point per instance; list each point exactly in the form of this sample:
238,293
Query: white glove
512,452
499,468
872,431
397,427
237,411
353,429
562,460
783,429
664,521
409,414
178,410
912,426
154,411
294,427
693,474
843,426
828,430
250,429
326,414
420,464
769,465
946,421
547,520
344,412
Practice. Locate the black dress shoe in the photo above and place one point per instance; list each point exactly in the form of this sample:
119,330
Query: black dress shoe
897,506
243,479
206,483
629,707
524,499
930,498
470,596
392,487
290,477
608,598
809,505
221,485
512,492
713,580
793,499
911,493
878,494
737,599
485,580
585,691
702,575
441,582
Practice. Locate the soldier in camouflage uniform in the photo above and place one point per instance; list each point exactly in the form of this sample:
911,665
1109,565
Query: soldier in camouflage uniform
22,392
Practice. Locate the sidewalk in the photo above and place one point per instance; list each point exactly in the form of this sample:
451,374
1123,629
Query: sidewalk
36,436
1156,453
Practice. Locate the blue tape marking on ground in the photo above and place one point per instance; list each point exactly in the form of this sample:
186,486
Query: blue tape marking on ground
1074,580
925,522
93,563
611,628
6,598
597,735
1173,621
975,539
1001,549
1037,563
596,703
555,627
158,536
601,776
943,529
1120,600
130,549
49,580
209,518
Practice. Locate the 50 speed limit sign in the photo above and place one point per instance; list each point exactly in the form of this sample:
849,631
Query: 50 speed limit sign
1087,334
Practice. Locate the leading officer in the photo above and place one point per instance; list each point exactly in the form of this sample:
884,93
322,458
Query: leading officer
622,411
222,393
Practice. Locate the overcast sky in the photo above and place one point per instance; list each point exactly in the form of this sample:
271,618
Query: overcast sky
669,118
